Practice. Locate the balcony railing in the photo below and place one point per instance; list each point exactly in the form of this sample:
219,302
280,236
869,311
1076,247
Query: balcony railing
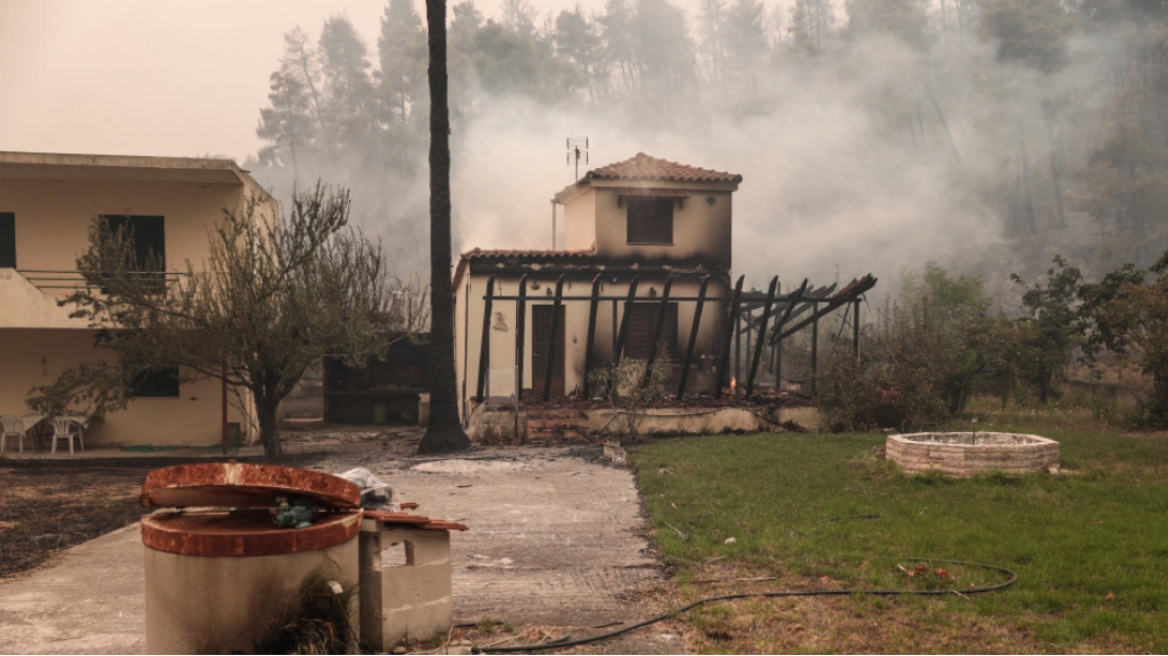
53,279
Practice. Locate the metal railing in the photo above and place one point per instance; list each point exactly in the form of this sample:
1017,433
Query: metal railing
44,279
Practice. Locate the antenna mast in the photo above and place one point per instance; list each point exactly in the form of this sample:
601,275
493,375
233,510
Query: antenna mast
575,153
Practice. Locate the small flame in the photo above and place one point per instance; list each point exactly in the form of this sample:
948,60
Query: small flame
733,382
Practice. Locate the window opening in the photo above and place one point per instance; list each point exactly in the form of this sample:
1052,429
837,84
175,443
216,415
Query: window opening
650,220
7,240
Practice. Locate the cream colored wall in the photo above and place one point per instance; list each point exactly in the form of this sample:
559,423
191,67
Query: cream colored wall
34,357
501,376
701,230
53,219
580,221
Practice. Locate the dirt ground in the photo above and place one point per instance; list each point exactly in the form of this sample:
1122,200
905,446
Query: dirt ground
557,545
47,507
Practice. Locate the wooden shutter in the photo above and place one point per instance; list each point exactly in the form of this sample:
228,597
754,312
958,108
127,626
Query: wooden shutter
639,342
650,220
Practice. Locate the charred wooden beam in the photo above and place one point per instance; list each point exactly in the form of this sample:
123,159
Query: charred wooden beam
724,365
520,335
624,327
550,363
856,330
766,315
588,346
693,336
663,307
485,340
846,295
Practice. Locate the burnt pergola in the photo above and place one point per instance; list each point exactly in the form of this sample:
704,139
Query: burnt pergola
787,310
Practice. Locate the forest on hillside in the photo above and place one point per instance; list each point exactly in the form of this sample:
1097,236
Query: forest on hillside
873,135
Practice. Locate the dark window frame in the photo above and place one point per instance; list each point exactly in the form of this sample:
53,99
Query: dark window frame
649,221
641,329
159,383
151,227
7,240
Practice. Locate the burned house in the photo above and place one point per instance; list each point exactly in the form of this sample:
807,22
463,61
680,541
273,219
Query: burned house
644,273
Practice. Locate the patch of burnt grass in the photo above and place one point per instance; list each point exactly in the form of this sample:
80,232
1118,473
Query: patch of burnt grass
819,512
49,507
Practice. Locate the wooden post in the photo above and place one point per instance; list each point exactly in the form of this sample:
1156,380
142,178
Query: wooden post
737,344
766,316
588,347
485,341
856,331
551,350
662,308
520,336
224,407
693,335
814,352
728,334
624,326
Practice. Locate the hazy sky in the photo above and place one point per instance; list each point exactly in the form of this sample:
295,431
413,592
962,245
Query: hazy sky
151,77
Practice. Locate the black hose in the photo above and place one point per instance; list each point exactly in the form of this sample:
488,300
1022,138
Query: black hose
748,595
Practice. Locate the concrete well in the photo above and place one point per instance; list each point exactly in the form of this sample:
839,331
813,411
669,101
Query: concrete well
966,454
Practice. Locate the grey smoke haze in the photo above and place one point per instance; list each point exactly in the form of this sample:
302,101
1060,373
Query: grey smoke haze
837,183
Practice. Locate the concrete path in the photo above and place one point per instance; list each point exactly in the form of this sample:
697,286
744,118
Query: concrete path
88,600
556,539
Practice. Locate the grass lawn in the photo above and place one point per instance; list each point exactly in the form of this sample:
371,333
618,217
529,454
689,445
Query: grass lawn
819,512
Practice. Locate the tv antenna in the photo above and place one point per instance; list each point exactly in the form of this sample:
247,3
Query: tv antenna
575,153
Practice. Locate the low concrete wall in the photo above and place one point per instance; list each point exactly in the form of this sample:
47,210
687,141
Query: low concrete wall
964,454
508,426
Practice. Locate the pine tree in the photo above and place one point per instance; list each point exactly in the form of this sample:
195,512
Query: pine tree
401,49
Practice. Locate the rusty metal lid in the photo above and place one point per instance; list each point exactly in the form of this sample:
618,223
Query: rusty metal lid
244,485
242,534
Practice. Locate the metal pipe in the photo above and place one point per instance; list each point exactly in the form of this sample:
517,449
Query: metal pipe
661,310
549,365
588,347
728,334
485,341
693,336
766,315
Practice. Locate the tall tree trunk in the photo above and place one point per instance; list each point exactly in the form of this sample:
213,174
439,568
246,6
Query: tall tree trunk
266,407
444,432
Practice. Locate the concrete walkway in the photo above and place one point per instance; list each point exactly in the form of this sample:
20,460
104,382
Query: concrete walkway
556,539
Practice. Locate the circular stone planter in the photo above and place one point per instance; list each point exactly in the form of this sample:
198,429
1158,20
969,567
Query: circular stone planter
965,454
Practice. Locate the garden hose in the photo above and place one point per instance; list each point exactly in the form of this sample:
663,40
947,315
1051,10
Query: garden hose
559,644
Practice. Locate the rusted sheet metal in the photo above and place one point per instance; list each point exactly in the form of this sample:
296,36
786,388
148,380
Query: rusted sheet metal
414,521
242,534
443,525
243,485
396,517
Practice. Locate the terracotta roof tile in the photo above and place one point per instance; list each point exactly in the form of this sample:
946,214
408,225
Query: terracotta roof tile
646,167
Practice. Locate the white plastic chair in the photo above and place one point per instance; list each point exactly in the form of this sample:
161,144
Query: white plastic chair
13,427
65,429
